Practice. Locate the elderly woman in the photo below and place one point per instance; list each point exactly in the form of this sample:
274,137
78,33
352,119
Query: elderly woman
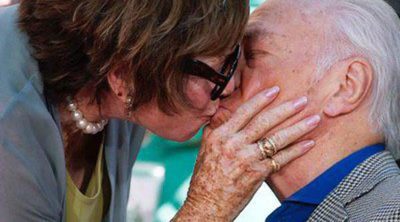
79,78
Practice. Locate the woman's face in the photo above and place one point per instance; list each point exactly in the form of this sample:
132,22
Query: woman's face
185,124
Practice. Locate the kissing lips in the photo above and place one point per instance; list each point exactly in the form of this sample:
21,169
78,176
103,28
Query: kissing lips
220,117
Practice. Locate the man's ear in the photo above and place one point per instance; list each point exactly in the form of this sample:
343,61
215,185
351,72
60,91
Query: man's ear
117,84
354,80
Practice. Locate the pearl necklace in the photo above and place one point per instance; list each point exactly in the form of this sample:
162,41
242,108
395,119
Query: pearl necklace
86,126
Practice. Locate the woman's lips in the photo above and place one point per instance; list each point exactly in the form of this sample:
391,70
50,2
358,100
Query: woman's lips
220,117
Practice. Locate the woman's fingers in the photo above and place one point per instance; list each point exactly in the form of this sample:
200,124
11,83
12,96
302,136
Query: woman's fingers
282,138
254,158
285,156
249,109
268,119
288,135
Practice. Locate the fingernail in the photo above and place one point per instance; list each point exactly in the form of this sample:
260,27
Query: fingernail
300,103
313,121
308,144
272,92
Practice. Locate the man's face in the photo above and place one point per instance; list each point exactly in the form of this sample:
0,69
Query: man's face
279,50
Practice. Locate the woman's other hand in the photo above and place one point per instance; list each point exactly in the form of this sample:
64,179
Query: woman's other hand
231,166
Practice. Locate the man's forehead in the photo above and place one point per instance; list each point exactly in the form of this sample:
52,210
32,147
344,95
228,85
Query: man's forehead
261,28
261,32
270,22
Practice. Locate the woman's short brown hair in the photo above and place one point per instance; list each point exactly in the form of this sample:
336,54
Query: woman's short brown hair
79,42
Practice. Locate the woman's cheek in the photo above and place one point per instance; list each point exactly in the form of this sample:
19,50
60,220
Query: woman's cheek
198,92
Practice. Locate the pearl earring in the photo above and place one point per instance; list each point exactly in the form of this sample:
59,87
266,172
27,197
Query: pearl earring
128,104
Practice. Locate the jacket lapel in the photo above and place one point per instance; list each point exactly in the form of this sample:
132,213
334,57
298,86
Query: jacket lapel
360,181
331,209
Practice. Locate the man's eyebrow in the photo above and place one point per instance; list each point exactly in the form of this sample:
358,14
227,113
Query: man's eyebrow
256,30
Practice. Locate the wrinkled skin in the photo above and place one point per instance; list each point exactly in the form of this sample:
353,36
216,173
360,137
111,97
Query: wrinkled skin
229,168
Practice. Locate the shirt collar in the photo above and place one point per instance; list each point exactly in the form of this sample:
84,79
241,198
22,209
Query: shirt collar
317,190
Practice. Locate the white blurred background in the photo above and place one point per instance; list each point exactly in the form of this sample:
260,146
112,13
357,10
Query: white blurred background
147,183
7,2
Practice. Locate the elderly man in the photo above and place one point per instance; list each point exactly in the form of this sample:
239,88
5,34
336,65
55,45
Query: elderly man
344,55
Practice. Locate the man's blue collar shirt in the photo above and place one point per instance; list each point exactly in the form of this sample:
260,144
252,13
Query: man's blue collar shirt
300,205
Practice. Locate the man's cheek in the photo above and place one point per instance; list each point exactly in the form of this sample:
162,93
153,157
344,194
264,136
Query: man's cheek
254,84
234,101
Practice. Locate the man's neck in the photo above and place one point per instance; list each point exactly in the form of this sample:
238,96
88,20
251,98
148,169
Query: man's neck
337,141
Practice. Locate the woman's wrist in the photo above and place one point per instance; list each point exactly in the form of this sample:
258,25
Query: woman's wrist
188,213
196,210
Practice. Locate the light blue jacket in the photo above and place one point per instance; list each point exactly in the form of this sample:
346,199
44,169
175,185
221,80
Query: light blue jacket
32,165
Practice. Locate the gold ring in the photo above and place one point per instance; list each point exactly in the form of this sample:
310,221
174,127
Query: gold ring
268,147
275,166
261,145
271,146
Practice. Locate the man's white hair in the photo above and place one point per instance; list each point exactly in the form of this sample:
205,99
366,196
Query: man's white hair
370,29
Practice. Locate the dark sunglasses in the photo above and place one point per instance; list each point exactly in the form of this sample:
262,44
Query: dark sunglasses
221,78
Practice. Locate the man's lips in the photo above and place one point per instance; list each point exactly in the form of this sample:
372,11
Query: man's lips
220,117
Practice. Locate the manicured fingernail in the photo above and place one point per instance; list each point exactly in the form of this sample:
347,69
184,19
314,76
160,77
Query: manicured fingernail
300,103
308,144
272,92
313,121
